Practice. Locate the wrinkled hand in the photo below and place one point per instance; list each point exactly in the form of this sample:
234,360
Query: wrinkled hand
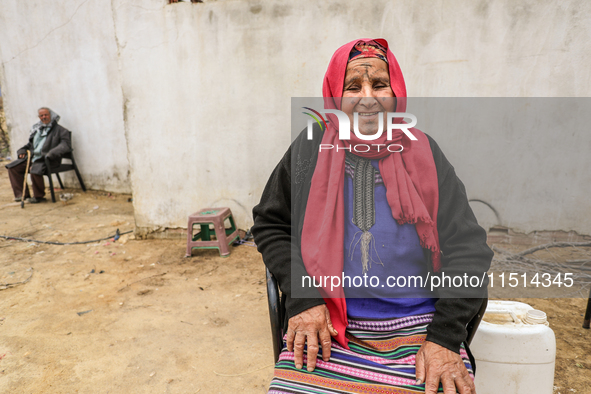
435,364
310,326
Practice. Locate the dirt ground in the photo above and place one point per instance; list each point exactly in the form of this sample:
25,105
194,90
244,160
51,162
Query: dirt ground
138,317
157,323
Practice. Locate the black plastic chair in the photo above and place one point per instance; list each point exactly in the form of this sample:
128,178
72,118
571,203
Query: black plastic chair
587,319
277,314
62,168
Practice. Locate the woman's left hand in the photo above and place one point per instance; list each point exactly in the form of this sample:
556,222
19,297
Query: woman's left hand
435,364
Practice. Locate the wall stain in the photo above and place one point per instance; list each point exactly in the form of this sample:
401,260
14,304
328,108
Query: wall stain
255,9
281,11
482,9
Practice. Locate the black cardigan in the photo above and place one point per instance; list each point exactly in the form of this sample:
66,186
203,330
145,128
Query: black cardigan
279,217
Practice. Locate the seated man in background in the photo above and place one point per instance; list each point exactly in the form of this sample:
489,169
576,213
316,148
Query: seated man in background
47,139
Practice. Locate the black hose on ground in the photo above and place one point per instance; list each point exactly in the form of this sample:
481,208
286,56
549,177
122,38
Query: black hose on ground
116,237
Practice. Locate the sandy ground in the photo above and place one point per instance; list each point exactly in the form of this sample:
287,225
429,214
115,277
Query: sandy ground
138,317
158,322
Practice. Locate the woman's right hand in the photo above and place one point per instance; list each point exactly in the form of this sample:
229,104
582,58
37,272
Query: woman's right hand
312,326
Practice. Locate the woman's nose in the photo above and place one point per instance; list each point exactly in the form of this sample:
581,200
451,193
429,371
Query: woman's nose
367,96
366,90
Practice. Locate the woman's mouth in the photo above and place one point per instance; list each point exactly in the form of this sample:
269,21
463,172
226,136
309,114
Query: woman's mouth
367,113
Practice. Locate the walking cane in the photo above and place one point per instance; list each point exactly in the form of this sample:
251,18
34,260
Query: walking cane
25,181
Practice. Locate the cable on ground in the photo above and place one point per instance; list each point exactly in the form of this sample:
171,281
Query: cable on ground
115,237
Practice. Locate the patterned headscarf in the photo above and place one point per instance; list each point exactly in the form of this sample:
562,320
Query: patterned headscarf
368,49
42,127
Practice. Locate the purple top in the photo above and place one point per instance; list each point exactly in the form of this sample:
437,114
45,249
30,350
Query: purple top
395,256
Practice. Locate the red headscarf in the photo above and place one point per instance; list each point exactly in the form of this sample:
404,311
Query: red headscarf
410,178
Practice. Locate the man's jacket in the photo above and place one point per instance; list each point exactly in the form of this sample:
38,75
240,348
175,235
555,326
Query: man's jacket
58,143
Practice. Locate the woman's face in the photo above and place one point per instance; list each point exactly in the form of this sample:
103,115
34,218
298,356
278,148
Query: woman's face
367,91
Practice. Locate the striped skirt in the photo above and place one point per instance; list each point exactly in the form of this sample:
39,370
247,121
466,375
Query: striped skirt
380,359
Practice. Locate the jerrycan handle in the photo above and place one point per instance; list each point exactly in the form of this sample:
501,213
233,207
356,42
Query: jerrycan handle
504,311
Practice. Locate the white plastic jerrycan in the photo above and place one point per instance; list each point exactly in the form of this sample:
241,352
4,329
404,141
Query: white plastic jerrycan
515,350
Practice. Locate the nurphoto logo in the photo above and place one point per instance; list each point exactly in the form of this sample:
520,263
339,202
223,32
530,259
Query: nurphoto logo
345,128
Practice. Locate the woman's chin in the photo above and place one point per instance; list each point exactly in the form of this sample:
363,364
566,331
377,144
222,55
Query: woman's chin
368,129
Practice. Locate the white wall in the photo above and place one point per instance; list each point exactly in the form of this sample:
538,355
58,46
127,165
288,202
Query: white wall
204,89
62,54
527,157
208,87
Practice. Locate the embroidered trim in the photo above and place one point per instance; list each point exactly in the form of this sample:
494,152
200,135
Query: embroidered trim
364,215
350,171
301,170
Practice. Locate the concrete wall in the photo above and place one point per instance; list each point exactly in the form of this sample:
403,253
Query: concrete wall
526,157
62,54
206,87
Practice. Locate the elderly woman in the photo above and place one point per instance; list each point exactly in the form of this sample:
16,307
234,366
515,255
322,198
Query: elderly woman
397,210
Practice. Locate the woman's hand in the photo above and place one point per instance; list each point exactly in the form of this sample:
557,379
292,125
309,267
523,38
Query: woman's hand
435,364
312,326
